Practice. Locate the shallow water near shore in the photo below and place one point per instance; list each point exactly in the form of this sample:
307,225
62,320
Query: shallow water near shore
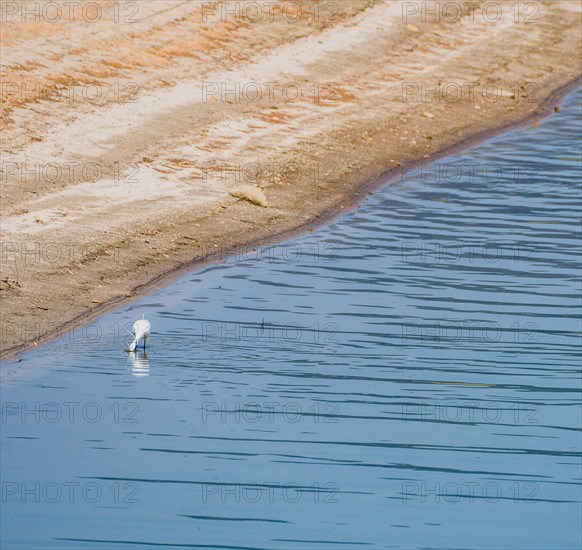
408,377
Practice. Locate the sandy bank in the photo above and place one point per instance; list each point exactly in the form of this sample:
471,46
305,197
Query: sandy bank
124,135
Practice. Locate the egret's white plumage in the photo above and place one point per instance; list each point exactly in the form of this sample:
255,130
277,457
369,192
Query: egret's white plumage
140,330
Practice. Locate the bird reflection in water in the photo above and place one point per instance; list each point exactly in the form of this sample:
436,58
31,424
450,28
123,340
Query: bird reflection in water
140,364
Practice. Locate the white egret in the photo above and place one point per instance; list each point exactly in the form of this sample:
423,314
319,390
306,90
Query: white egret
141,329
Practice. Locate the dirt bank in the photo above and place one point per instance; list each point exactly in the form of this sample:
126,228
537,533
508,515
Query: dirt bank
126,129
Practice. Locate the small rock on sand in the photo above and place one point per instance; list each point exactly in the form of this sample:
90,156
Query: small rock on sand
249,193
428,115
411,28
